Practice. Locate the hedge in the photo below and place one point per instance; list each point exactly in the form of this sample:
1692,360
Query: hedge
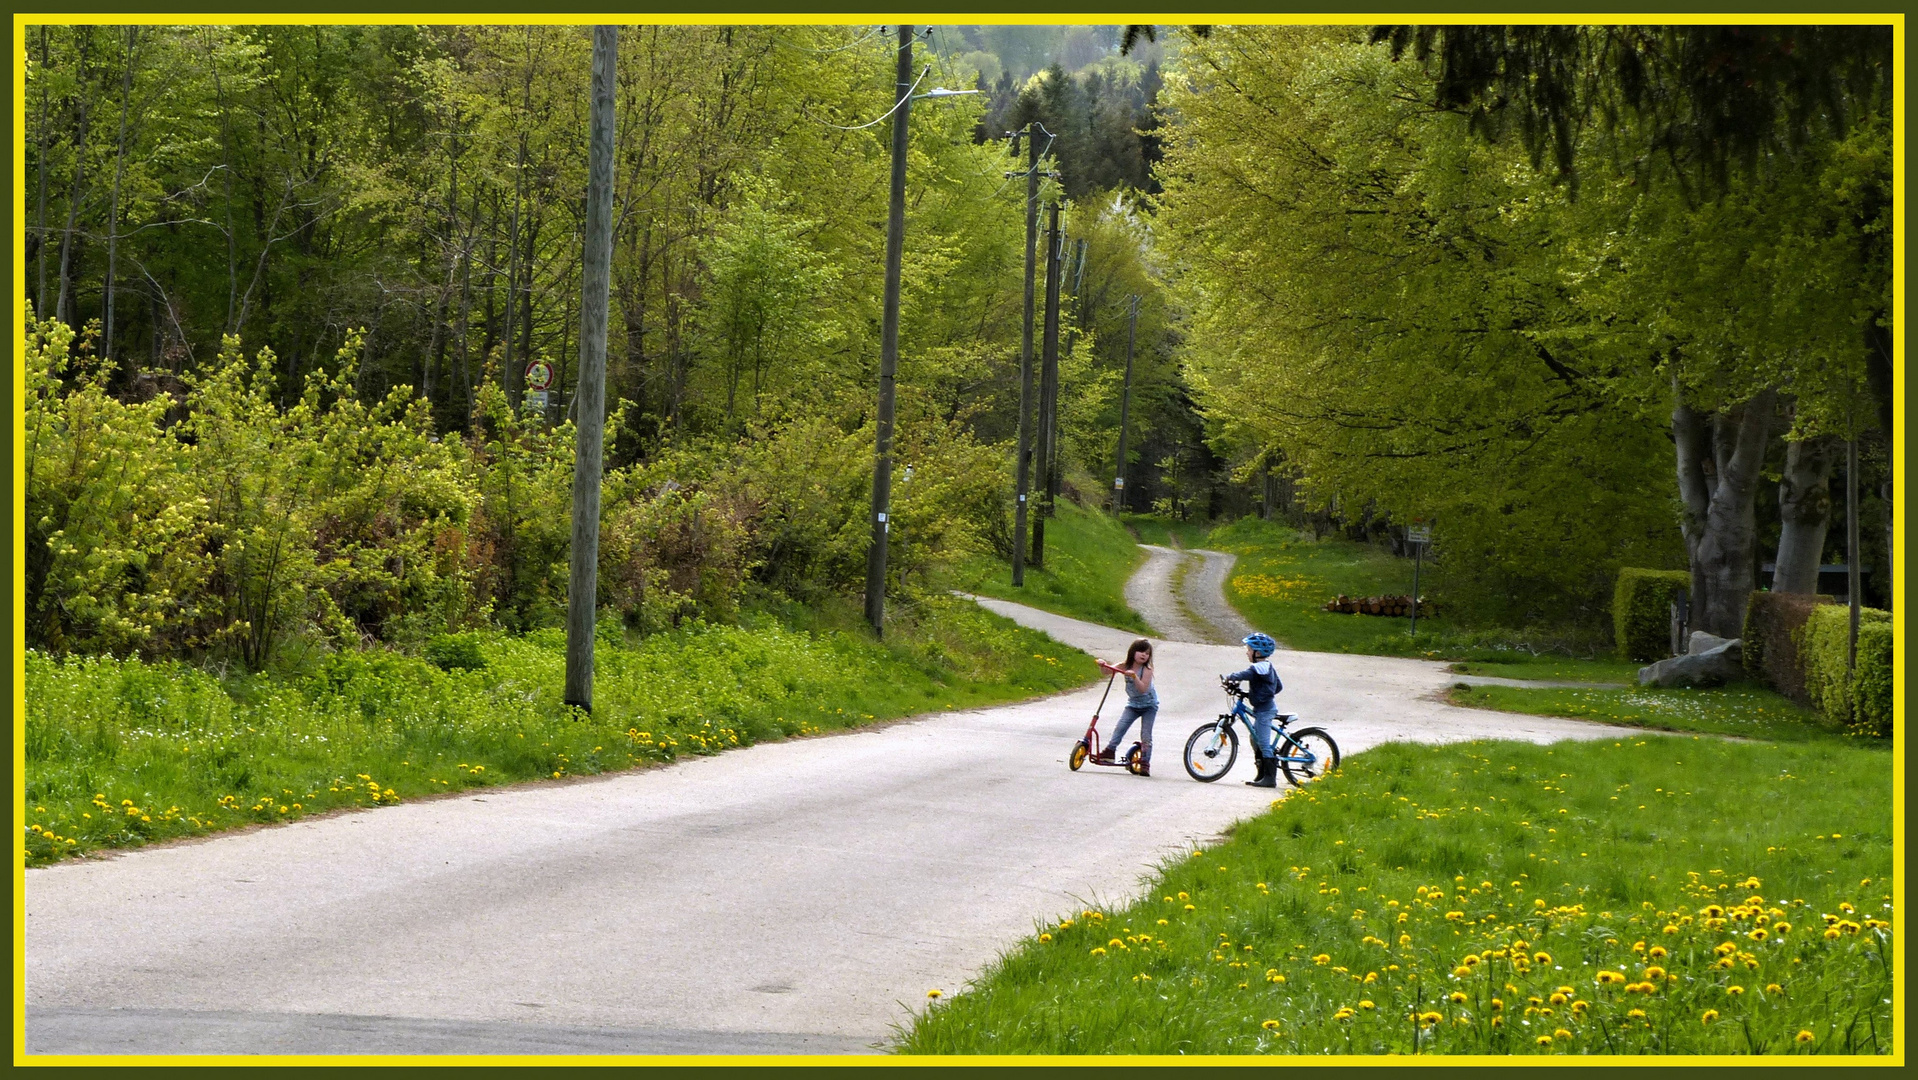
1770,651
1863,706
1641,611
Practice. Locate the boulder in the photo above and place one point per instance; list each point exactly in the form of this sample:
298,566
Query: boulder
1701,642
1712,661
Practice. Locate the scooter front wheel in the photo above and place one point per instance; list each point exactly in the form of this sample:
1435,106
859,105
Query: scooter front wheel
1078,757
1210,752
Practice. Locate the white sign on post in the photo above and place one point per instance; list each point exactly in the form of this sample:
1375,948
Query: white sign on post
1419,534
535,401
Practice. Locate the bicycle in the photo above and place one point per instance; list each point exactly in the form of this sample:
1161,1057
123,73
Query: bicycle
1304,755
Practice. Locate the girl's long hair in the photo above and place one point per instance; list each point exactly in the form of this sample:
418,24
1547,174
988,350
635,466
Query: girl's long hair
1134,651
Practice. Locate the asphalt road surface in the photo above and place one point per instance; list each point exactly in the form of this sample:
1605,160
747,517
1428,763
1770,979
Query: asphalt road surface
794,897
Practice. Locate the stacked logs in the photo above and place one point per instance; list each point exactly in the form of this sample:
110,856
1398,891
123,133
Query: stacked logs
1376,605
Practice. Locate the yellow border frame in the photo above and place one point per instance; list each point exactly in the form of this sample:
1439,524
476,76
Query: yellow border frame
18,505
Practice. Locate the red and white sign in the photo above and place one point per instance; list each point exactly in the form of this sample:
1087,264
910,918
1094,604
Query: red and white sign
539,375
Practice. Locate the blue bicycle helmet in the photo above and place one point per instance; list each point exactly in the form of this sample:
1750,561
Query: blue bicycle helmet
1260,644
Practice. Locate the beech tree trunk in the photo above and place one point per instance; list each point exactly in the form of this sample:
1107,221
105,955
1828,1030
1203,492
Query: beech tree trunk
1720,460
1804,508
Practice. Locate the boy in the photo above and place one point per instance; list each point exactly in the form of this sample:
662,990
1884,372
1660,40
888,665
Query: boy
1262,685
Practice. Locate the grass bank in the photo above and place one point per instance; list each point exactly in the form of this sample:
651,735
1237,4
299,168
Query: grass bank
1089,556
1283,576
121,753
1734,710
1152,529
1664,894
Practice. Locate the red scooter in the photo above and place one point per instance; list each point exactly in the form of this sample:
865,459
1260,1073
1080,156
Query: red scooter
1087,749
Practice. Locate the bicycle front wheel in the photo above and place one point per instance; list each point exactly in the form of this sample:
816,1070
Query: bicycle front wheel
1310,754
1210,752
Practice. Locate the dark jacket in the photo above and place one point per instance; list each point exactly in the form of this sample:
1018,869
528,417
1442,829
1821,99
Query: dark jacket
1261,683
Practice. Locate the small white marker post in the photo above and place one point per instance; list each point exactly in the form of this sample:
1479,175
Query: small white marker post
1419,536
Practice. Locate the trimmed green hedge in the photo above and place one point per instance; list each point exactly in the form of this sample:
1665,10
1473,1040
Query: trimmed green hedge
1641,611
1772,621
1864,707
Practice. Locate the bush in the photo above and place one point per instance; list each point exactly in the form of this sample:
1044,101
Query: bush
455,652
1863,705
1770,652
1641,611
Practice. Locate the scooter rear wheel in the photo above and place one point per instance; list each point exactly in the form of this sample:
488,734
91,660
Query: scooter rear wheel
1135,759
1210,751
1080,751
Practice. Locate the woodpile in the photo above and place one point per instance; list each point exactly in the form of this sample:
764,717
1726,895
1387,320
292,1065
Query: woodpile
1397,606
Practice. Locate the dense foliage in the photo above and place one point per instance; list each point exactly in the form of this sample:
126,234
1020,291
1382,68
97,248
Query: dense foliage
1418,322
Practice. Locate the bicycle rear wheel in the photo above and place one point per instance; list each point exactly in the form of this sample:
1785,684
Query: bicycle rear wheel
1210,751
1320,754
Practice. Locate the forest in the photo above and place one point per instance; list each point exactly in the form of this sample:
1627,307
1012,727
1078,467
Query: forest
1574,295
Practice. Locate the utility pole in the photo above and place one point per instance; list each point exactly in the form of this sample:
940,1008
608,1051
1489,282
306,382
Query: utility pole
1048,387
589,386
1125,404
1853,580
889,344
1025,358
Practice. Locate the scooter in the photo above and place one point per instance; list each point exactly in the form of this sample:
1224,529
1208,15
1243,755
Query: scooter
1087,749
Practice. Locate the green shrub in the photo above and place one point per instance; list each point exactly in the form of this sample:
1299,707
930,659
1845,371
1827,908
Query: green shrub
455,652
1641,611
1863,705
1770,652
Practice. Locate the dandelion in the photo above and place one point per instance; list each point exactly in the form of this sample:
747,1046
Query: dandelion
1367,1006
1708,1016
1457,997
1734,991
1774,988
1045,939
1270,1025
1657,952
1344,1013
1561,1033
1542,958
1545,1040
1098,952
1805,1036
1639,1014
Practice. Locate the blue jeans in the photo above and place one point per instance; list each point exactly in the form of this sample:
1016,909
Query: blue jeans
1145,717
1264,743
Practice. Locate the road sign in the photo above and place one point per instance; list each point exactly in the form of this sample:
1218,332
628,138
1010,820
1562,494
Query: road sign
1419,534
539,375
535,401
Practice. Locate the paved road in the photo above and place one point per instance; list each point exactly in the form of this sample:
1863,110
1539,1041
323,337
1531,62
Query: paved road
796,897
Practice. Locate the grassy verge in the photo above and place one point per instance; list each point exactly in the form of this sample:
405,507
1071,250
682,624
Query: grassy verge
1089,556
1733,710
1656,895
1151,529
1521,665
121,753
1282,577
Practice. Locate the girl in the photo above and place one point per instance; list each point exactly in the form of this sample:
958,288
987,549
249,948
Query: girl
1142,703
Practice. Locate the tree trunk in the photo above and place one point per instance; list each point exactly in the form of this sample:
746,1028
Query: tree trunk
40,230
1718,470
1804,508
119,174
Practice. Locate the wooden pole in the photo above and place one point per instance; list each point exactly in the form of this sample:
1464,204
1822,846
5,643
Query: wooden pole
589,386
1024,464
889,344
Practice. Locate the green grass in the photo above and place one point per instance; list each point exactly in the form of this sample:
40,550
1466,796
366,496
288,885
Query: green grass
1731,710
121,753
1466,885
1282,577
1152,529
1523,665
1089,556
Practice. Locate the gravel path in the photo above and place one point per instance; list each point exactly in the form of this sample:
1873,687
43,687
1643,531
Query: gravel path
1149,592
1204,596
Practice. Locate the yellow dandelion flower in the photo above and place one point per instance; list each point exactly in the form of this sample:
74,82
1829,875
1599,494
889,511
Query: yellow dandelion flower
1734,991
1805,1036
934,993
1542,958
1707,1016
1545,1040
1270,1025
